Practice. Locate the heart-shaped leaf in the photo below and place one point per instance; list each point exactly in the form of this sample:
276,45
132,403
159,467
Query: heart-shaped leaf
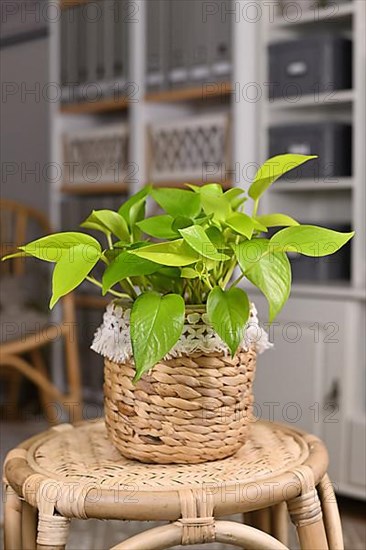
156,326
159,227
174,253
242,224
51,248
108,222
178,202
126,265
310,240
71,269
276,220
197,239
268,270
132,209
273,169
228,313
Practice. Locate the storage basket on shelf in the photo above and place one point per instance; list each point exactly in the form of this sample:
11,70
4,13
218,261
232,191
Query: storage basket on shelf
195,405
190,149
97,155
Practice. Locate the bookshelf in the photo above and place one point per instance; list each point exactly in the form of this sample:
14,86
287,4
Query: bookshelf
338,302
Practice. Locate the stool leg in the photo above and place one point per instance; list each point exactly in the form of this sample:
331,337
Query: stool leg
29,526
13,521
261,519
332,521
279,522
306,515
52,532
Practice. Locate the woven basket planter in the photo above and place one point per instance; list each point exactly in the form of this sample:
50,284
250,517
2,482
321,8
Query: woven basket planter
188,409
194,406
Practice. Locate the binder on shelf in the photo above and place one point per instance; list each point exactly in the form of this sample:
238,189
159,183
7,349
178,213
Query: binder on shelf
178,73
120,69
64,77
157,44
199,45
100,69
109,30
81,44
220,23
91,40
69,49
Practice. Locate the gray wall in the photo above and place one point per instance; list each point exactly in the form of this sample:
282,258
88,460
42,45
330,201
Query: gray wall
25,122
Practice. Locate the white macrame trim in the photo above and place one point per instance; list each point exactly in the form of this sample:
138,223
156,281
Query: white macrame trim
112,338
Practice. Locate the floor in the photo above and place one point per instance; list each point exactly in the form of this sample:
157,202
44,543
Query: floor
102,535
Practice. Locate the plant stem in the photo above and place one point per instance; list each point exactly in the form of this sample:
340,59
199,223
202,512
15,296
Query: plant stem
237,281
134,294
109,239
113,292
255,207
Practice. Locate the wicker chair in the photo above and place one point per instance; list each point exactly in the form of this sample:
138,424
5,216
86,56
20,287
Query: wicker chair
20,353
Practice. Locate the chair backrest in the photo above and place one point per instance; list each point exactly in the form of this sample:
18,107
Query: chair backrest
17,221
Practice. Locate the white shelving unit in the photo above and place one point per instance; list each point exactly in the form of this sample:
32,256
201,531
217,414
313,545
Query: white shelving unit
317,365
335,367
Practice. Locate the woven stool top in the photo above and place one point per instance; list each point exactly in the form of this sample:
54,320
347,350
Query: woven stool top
84,454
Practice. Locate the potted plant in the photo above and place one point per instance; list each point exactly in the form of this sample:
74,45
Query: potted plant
181,337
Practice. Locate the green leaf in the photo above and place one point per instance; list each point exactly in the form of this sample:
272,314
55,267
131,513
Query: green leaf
108,222
268,270
189,273
126,265
217,205
159,227
234,197
228,313
211,188
156,326
216,236
181,222
175,253
273,169
178,202
51,248
276,220
197,239
75,264
259,226
132,210
310,240
242,224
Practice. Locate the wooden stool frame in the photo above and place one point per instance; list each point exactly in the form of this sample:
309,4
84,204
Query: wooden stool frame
194,516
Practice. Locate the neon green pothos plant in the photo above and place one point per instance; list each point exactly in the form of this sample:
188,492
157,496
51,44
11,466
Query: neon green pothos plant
187,255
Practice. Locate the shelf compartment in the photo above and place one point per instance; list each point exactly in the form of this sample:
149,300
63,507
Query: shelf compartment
96,107
321,15
95,189
219,89
324,99
310,185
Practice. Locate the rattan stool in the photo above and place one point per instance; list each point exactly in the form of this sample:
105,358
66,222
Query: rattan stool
74,472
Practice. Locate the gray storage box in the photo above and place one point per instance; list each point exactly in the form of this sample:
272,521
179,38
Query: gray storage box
313,65
331,141
157,44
